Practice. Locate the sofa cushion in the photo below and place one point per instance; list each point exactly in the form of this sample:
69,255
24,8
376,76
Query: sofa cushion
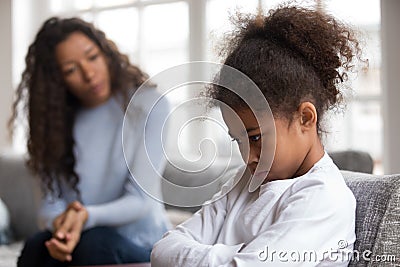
377,216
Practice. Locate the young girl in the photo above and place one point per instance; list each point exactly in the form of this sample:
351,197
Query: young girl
75,89
302,214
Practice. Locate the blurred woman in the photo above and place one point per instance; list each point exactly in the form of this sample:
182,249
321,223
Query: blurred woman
74,91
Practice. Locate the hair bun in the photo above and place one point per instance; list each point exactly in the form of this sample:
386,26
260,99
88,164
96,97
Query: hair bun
308,34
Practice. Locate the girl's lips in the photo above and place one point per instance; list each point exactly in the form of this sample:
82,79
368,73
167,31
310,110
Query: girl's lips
97,88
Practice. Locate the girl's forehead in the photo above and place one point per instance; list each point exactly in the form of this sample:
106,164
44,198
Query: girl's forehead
74,47
245,118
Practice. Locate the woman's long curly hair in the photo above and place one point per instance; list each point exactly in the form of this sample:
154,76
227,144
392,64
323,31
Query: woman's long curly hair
293,55
44,99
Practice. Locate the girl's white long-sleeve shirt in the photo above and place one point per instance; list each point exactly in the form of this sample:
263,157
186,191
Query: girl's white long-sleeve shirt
107,189
304,221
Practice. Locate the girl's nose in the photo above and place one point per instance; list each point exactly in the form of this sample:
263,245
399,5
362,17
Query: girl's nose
250,154
254,156
88,71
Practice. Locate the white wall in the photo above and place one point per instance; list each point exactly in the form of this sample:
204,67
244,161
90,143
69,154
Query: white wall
5,70
391,83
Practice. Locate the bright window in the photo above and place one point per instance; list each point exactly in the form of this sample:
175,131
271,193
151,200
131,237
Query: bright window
361,128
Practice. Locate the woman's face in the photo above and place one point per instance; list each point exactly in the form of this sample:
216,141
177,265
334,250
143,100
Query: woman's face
84,68
284,144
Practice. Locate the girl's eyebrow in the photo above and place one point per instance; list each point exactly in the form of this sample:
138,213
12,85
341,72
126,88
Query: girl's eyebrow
252,129
246,132
87,51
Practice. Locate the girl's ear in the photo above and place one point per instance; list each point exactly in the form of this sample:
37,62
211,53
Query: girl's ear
308,115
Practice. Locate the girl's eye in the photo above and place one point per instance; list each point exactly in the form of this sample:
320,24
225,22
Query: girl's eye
69,71
93,57
255,138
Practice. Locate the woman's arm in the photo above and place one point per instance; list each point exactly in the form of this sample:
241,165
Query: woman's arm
50,208
126,209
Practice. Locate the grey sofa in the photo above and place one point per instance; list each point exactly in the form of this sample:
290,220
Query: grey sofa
377,218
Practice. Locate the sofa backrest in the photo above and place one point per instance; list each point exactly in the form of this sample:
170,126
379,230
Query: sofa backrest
353,160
